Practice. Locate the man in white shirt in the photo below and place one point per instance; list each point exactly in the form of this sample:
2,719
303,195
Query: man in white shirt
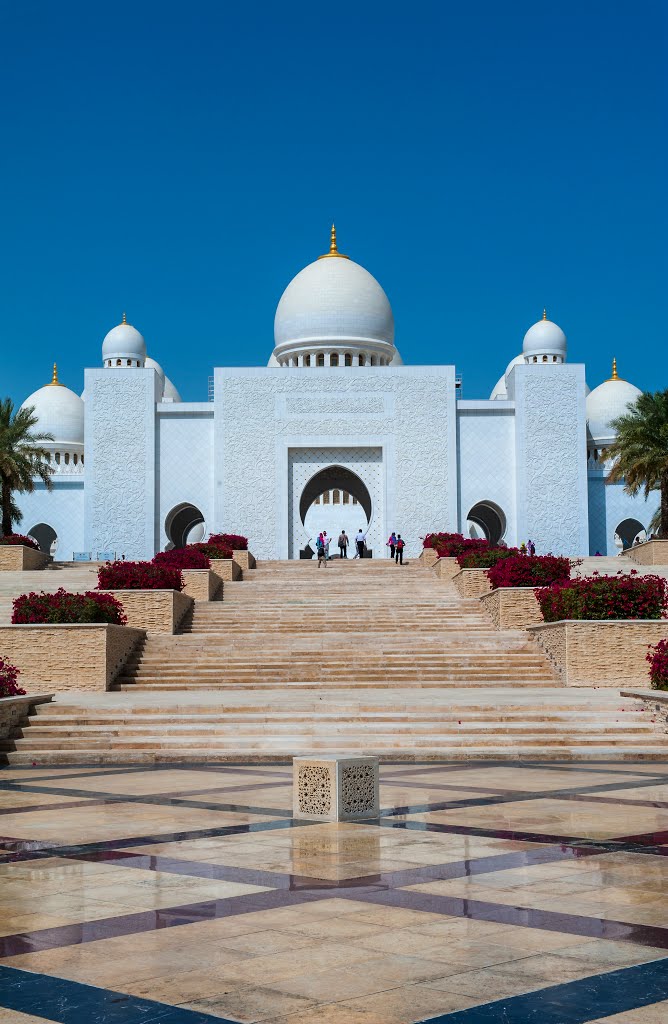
360,543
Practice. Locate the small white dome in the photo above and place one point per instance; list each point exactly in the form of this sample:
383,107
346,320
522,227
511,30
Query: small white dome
124,342
59,412
151,364
334,302
544,338
500,391
170,394
605,403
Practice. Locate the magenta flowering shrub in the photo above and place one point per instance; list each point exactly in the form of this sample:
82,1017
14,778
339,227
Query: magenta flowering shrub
657,657
138,576
624,596
234,541
485,558
529,571
9,675
37,609
188,557
448,544
214,550
19,538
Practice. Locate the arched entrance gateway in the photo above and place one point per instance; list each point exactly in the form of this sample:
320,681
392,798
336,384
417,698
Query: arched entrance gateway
335,489
486,519
184,525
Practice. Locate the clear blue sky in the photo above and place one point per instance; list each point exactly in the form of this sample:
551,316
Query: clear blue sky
184,161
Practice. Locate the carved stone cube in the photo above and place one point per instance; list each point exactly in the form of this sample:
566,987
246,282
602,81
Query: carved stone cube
335,788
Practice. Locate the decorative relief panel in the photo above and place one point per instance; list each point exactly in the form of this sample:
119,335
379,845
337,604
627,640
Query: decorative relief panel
358,788
315,789
318,405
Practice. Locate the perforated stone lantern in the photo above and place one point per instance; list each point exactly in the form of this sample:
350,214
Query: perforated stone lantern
335,788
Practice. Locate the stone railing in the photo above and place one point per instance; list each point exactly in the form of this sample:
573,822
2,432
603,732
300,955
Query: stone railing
202,584
652,552
156,611
16,557
512,607
472,582
446,568
610,652
15,710
245,560
69,656
227,569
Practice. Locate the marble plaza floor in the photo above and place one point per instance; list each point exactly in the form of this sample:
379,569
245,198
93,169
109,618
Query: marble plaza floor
492,893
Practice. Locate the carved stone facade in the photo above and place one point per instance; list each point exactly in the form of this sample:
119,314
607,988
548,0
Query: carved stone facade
335,788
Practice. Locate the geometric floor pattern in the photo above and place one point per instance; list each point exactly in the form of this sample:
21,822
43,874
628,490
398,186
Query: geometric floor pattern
484,894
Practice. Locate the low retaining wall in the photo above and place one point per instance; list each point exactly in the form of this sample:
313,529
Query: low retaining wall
245,560
156,611
85,656
472,582
15,557
656,703
600,652
202,584
226,569
428,556
512,607
14,710
446,568
652,552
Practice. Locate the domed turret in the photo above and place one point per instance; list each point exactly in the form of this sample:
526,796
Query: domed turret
605,403
152,364
545,342
334,313
60,412
123,347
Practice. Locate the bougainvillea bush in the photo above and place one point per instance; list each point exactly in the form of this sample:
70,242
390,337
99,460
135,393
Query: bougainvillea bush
138,576
448,544
657,657
529,571
64,607
485,558
213,550
624,596
229,540
18,538
9,675
183,558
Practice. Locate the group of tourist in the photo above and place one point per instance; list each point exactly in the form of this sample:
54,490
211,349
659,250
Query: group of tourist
395,543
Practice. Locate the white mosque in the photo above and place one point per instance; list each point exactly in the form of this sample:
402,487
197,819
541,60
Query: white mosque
335,432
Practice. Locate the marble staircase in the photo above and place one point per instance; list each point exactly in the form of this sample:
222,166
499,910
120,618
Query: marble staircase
360,657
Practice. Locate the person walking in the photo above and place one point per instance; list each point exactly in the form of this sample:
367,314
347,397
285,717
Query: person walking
360,542
392,543
399,548
320,548
531,548
343,544
326,540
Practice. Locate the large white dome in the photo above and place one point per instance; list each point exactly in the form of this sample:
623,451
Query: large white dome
59,412
605,403
124,343
334,303
152,364
545,338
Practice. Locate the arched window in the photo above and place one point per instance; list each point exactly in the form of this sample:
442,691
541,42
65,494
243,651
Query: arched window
58,458
535,359
346,498
317,500
336,497
119,362
544,359
321,359
334,359
348,359
129,362
554,359
354,500
373,361
307,360
325,498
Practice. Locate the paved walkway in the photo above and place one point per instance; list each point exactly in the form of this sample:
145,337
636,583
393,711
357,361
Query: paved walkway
484,893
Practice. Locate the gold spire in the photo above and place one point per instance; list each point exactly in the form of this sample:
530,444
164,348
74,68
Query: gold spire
54,382
544,313
614,371
333,251
124,320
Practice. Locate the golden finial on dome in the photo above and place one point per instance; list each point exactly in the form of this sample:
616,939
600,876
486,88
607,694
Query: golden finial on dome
54,382
333,251
124,320
614,375
544,313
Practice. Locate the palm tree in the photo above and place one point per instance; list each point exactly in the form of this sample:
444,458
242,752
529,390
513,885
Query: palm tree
23,460
640,452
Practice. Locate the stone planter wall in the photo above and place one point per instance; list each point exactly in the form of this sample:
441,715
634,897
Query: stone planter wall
652,552
202,584
471,582
15,557
655,702
14,710
226,569
512,607
428,556
244,560
69,656
446,568
600,653
156,611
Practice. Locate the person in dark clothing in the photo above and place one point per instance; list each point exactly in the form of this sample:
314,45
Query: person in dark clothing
343,544
399,548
